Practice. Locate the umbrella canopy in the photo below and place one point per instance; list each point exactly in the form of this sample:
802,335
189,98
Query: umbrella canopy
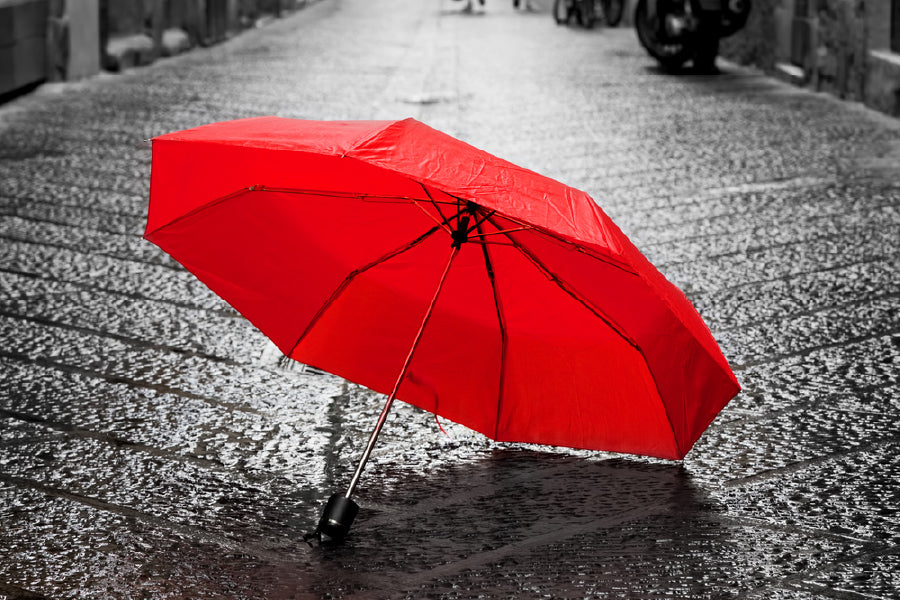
531,316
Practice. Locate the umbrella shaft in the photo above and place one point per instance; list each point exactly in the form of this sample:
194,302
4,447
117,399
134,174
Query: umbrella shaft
387,405
368,451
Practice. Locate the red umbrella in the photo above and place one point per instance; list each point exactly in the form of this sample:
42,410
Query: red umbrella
407,261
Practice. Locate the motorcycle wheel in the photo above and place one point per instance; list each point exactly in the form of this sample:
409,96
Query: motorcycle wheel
707,48
612,11
561,12
669,54
734,16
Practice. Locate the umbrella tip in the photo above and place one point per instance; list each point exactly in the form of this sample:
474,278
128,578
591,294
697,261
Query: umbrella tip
337,517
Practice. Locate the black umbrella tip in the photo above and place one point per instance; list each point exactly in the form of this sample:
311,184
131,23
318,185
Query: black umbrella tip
337,517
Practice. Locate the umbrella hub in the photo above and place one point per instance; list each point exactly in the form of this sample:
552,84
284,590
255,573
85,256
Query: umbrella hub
460,235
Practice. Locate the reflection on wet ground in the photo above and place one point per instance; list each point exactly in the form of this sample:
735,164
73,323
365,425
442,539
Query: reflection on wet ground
453,529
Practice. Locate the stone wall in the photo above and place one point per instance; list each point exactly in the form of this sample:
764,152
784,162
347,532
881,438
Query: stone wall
840,54
747,46
847,51
58,40
22,43
882,81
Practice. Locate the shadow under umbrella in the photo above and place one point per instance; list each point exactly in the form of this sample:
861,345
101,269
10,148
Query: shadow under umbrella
502,523
497,522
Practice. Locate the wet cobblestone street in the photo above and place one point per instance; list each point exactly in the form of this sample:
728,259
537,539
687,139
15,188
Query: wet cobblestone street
153,444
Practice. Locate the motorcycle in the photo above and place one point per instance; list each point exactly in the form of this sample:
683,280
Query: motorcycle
677,31
586,12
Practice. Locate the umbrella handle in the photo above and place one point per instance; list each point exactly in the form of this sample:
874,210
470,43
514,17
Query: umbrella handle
340,511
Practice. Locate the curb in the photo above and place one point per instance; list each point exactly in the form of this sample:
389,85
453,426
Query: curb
140,49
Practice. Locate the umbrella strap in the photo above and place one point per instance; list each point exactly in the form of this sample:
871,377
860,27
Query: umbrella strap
441,427
390,400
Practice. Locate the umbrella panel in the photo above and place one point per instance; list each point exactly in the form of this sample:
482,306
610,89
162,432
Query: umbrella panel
276,257
366,333
675,349
570,379
189,176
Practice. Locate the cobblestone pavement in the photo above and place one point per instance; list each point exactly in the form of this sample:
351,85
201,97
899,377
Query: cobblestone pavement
154,445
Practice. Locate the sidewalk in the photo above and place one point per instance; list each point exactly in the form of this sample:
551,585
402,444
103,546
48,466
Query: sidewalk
154,445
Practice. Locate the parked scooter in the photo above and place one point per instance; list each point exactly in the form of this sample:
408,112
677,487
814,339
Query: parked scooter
587,12
677,31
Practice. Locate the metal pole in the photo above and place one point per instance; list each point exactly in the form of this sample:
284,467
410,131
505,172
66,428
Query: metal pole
387,405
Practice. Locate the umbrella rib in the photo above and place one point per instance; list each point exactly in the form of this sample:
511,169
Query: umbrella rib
477,225
203,207
484,235
351,276
561,240
300,191
501,320
325,193
336,194
442,225
446,220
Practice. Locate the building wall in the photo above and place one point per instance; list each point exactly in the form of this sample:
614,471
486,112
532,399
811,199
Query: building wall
55,40
840,54
882,78
83,18
748,46
837,46
22,43
127,16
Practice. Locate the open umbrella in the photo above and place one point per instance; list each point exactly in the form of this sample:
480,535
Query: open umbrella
407,261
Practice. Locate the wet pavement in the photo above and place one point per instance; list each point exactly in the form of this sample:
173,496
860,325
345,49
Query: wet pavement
154,445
